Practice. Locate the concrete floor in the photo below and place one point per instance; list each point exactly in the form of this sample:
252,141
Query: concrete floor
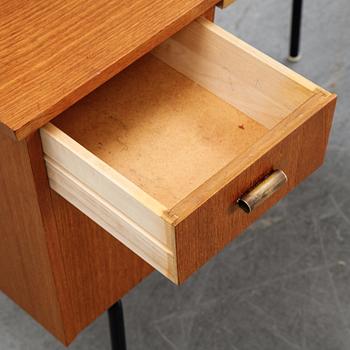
285,283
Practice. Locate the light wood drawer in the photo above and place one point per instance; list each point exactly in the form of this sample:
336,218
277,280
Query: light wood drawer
159,155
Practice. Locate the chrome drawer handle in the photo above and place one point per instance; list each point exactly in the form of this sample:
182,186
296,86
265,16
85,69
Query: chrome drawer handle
263,190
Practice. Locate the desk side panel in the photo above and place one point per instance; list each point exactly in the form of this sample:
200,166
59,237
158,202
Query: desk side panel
55,263
25,267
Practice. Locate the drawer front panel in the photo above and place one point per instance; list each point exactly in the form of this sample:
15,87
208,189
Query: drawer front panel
219,220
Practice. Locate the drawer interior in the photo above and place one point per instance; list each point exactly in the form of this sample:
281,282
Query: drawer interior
168,133
147,149
160,129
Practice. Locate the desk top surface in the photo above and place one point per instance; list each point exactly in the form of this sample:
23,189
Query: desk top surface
52,53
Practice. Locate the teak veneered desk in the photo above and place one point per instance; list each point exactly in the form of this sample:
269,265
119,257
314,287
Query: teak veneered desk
136,136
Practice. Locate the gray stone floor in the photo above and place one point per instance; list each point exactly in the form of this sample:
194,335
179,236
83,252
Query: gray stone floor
285,283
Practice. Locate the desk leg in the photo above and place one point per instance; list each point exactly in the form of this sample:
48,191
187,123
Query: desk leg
116,326
294,55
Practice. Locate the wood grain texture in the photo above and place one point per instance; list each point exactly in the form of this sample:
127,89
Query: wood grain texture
121,161
244,77
104,180
148,150
52,54
159,254
99,270
205,231
158,129
55,263
25,265
91,270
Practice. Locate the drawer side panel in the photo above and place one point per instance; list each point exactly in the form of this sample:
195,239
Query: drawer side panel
107,183
112,220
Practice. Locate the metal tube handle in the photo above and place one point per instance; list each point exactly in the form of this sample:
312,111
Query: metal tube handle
263,190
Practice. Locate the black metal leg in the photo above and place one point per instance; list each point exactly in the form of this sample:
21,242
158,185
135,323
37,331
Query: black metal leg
295,30
116,326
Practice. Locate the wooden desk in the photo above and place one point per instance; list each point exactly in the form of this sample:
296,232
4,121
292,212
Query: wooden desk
56,261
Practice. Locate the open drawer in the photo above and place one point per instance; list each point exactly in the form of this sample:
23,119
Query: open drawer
159,155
